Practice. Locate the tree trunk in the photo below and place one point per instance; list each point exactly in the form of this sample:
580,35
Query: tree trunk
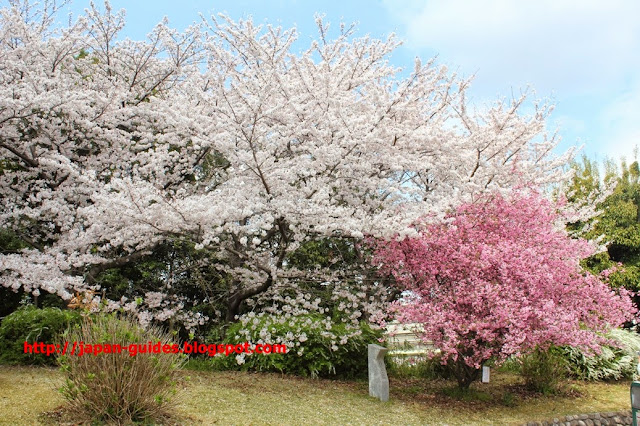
233,308
234,302
465,375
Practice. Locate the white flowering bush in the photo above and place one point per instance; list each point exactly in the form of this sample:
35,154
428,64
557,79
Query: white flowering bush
316,345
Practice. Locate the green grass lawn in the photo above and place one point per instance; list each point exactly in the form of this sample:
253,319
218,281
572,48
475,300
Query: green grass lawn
250,398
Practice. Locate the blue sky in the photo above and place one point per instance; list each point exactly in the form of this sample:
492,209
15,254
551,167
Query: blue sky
584,55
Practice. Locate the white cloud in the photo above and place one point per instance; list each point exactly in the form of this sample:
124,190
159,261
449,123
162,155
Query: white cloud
568,47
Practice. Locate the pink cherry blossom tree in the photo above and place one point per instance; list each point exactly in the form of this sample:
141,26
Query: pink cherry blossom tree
228,137
498,278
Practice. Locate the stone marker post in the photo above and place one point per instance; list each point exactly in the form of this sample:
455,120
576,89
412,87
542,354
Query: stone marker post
378,380
486,372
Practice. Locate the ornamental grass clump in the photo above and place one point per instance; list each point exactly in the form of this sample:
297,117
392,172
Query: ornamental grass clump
118,387
615,361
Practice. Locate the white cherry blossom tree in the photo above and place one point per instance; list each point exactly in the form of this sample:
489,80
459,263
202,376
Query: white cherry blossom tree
224,136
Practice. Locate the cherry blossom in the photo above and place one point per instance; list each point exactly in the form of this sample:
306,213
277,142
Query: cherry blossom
224,136
499,278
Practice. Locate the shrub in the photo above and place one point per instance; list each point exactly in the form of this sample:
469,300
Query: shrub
30,324
543,370
612,363
418,367
116,387
338,350
9,300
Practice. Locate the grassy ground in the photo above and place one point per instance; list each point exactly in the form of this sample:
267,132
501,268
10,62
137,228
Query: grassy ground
246,398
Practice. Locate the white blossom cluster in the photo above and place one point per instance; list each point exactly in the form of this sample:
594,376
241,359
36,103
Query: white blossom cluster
159,307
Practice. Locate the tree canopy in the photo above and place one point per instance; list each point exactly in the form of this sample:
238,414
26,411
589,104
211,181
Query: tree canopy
617,222
500,278
225,140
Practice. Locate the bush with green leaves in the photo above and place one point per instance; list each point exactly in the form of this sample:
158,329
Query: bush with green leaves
424,367
543,370
30,324
614,362
326,348
118,387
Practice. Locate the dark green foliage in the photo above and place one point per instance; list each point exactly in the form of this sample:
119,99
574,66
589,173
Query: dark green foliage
347,259
417,367
332,253
32,325
175,268
117,388
543,370
618,222
49,300
314,357
150,273
12,300
9,243
9,301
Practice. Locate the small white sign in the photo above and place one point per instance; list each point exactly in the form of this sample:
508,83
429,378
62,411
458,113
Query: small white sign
485,374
